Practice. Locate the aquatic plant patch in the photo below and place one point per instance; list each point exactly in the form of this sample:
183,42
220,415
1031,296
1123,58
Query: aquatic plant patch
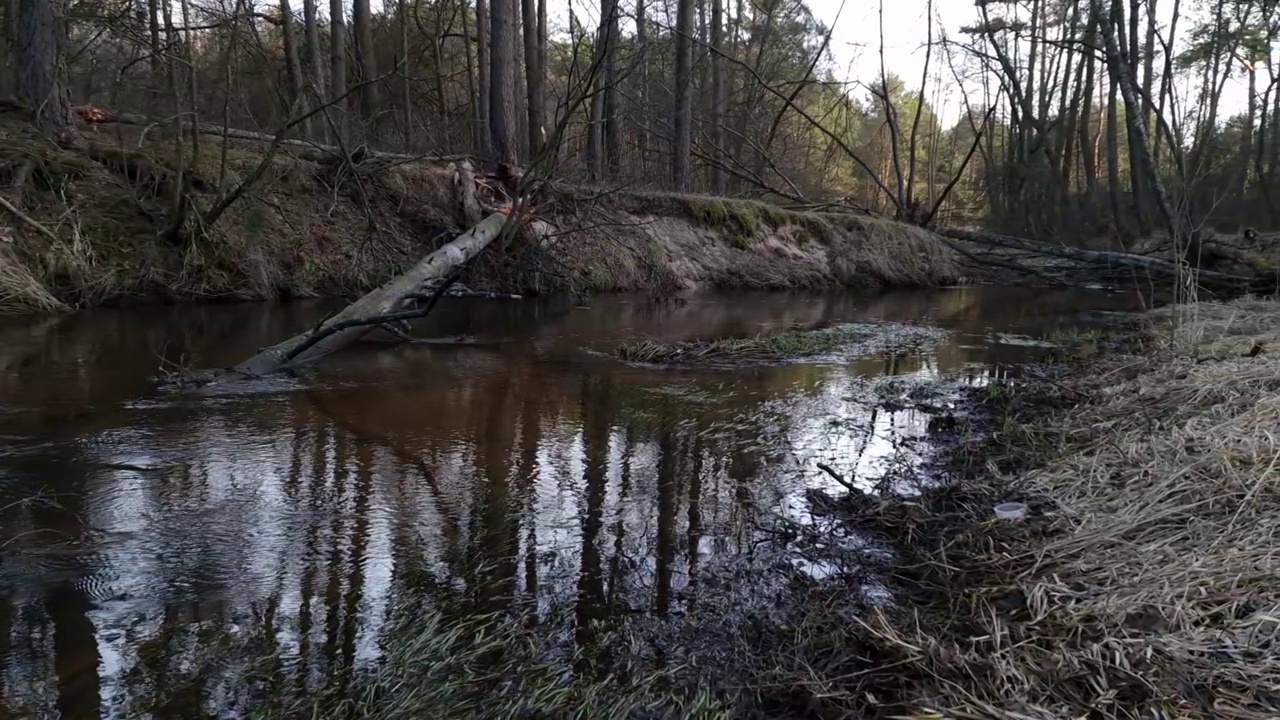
838,341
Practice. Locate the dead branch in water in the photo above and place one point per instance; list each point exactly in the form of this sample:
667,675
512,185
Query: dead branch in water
839,478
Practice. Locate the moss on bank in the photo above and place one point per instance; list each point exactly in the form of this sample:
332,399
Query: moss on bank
330,228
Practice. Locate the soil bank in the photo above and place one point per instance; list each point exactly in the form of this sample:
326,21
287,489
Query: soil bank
340,226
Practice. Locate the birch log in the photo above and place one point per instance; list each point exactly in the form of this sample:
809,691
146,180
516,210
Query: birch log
393,296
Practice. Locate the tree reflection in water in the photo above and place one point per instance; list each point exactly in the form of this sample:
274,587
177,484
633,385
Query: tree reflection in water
212,553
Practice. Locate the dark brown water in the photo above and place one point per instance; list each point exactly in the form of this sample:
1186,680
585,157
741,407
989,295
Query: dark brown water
148,541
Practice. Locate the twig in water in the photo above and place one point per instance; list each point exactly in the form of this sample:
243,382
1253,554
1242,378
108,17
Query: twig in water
469,294
401,334
838,478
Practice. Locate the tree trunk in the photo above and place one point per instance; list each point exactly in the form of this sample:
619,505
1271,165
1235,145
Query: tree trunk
1148,65
642,131
484,139
420,279
338,60
1137,182
8,76
681,143
177,218
157,67
1113,159
292,61
533,75
1088,155
1179,226
1166,77
315,59
612,133
1246,149
719,186
366,62
406,84
193,96
595,109
39,52
543,44
502,80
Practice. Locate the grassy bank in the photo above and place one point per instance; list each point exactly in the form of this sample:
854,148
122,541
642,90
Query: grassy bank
335,227
1143,584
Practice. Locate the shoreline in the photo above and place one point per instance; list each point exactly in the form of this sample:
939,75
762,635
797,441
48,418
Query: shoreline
1141,583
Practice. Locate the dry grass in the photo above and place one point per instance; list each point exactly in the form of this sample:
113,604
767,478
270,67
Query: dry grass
21,292
1145,584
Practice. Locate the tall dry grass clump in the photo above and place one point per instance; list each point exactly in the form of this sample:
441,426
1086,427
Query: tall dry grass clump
21,292
1147,582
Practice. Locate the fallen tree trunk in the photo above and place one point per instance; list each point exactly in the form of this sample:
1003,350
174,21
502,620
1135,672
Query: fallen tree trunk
376,307
302,149
1097,257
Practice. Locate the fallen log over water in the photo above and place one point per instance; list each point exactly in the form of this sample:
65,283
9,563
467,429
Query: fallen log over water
383,305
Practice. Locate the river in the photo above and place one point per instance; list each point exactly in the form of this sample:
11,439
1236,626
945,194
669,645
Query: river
152,545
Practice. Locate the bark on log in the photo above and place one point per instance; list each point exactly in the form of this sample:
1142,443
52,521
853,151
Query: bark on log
429,272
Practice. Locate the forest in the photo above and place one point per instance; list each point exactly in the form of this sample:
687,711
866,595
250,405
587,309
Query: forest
640,359
732,98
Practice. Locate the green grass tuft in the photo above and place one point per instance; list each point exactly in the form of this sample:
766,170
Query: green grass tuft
493,666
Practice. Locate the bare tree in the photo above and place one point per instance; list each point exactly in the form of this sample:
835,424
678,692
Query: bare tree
642,38
681,143
609,72
483,132
315,59
338,56
719,185
365,57
39,47
406,78
502,80
534,12
292,55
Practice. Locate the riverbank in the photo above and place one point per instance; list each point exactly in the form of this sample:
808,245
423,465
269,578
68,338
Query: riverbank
1142,583
99,229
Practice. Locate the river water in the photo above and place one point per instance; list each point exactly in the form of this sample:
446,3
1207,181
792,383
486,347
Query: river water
146,537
